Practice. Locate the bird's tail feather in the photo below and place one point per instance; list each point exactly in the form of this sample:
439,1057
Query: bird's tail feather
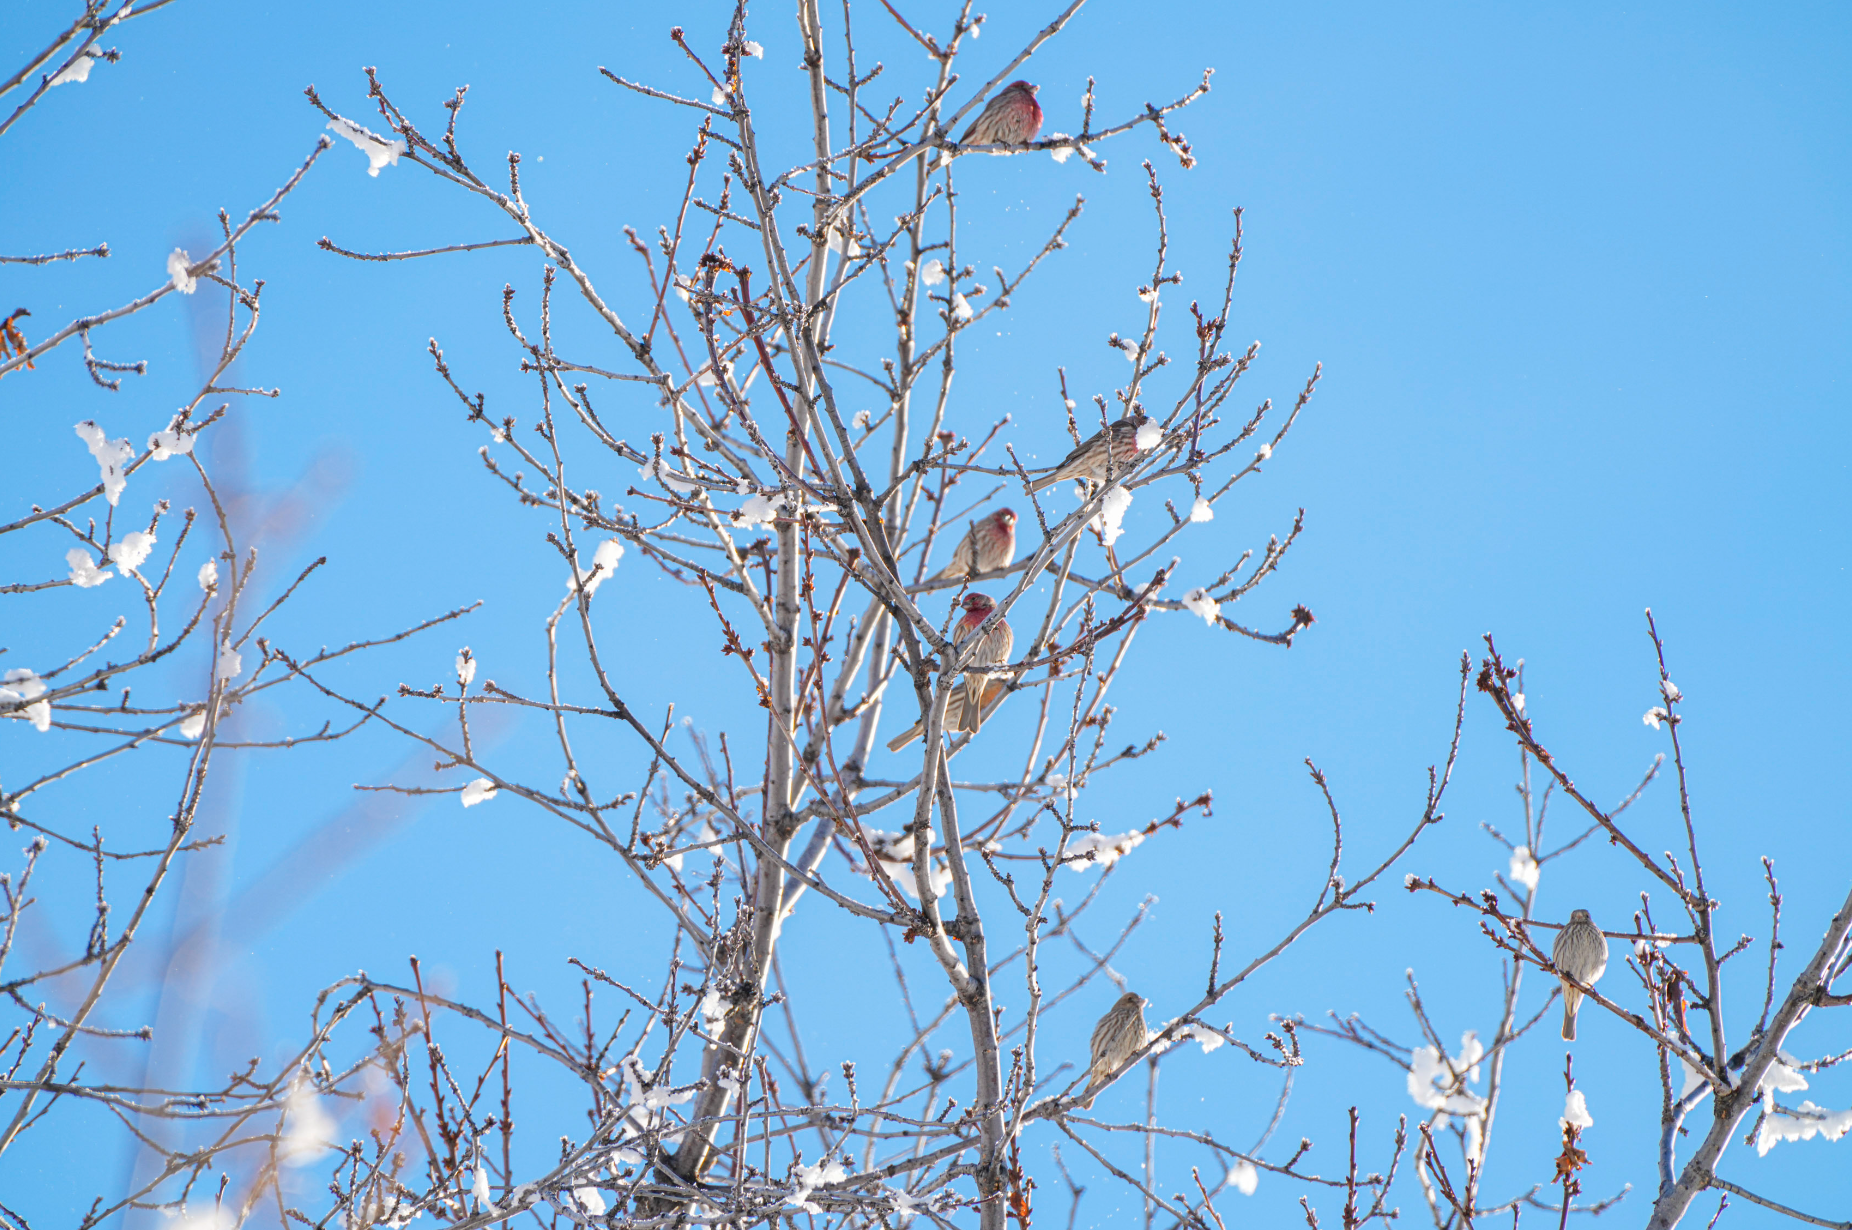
971,712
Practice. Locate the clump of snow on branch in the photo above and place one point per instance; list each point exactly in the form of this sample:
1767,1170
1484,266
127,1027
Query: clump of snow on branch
1149,435
1783,1076
230,664
713,1009
466,667
79,69
904,1203
933,272
179,266
209,575
807,1179
1201,511
1652,717
479,1187
1190,1030
894,851
479,791
1263,452
1439,1082
604,563
131,551
1105,848
379,151
753,49
193,725
1575,1111
84,572
111,458
1109,521
170,443
308,1131
1670,691
1198,602
590,1200
961,310
1147,294
1524,869
21,686
1804,1122
761,509
654,468
647,1108
720,97
1243,1176
213,1217
1060,153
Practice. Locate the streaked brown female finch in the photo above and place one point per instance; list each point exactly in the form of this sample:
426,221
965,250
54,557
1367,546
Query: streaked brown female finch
1120,1032
964,708
1088,460
1581,952
1012,117
989,543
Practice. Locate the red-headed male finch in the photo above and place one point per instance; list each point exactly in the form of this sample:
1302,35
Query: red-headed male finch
1011,117
1088,460
964,708
1581,952
989,544
1120,1032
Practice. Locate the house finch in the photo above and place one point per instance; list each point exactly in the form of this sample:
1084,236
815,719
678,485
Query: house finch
1011,118
1120,1032
1580,952
1089,459
989,543
964,708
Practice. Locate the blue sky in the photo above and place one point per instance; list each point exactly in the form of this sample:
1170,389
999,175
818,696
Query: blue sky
1579,280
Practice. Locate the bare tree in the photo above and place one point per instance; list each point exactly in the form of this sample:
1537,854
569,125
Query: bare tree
141,703
906,558
1684,1022
811,536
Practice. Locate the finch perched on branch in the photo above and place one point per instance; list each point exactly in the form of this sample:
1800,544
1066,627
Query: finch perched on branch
1581,952
1088,460
964,708
1012,117
1120,1032
990,543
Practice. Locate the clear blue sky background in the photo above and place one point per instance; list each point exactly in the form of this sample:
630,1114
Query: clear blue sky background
1579,278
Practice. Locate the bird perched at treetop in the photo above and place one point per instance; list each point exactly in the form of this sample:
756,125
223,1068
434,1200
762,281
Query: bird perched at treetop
1088,460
